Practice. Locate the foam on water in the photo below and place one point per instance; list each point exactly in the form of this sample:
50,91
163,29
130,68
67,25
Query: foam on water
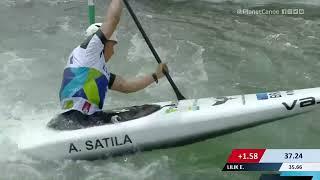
139,50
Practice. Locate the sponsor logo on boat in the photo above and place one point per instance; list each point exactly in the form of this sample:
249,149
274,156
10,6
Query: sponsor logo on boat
172,107
222,100
171,110
304,102
271,95
262,96
102,143
275,95
182,108
265,96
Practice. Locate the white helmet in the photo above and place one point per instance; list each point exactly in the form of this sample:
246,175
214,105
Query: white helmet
94,28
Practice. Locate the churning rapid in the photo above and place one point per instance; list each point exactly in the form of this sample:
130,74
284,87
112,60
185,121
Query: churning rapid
211,50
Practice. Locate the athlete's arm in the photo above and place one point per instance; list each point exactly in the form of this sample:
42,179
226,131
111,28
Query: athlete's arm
125,86
112,18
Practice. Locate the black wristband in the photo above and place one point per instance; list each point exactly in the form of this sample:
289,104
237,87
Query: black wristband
155,77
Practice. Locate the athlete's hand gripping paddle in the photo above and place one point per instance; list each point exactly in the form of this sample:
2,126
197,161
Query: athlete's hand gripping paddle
155,54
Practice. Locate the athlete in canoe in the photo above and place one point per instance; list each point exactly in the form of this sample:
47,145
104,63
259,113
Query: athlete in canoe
86,78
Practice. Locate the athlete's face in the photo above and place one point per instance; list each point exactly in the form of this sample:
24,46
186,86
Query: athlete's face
109,50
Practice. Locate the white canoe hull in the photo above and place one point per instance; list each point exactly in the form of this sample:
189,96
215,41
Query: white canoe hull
190,121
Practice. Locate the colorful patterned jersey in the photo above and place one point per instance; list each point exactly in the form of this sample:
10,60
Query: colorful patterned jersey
86,78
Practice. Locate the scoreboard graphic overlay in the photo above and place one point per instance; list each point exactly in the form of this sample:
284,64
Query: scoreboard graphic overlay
301,163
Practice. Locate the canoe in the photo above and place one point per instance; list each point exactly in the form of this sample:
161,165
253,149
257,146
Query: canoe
172,124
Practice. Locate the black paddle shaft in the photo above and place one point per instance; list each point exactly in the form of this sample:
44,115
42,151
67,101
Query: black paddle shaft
154,52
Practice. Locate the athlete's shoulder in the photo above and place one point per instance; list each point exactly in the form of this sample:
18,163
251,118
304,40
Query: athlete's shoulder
96,38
